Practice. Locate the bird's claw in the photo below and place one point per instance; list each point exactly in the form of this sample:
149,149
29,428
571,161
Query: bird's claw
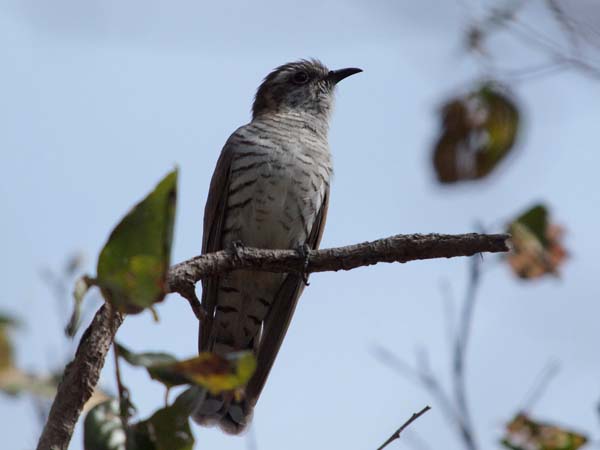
304,251
237,247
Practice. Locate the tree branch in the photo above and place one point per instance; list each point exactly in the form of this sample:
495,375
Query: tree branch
399,248
82,374
456,407
397,433
79,380
461,342
422,375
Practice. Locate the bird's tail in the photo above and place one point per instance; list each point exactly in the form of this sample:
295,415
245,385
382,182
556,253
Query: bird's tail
230,414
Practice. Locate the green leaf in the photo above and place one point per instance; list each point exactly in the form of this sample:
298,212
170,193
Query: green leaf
6,348
523,433
536,221
537,247
146,359
133,264
7,321
103,429
500,127
478,131
167,429
155,364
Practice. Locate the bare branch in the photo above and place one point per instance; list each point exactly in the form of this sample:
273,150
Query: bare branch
124,398
460,349
79,379
566,24
396,434
540,384
82,374
455,405
399,248
188,291
423,375
507,19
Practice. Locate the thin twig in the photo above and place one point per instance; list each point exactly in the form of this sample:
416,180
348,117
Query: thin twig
507,19
456,408
565,23
530,36
82,374
423,376
460,348
396,434
188,291
399,248
533,72
540,384
123,393
448,304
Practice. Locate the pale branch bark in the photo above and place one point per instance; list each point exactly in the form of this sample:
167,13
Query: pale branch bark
397,433
81,375
400,248
79,379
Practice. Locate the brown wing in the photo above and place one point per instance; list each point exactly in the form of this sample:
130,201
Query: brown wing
214,221
278,319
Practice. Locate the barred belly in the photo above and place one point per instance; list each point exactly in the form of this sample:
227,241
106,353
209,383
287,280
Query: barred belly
275,193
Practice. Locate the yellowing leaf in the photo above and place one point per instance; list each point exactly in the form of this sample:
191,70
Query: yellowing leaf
214,372
6,349
537,244
478,131
14,381
523,433
133,264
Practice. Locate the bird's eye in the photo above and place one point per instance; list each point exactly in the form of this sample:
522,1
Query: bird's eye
300,77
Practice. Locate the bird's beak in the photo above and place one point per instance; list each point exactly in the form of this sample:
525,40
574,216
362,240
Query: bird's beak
335,76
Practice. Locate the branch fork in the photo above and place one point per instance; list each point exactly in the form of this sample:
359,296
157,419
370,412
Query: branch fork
82,374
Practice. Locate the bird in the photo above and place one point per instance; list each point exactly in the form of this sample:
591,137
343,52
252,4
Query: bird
270,189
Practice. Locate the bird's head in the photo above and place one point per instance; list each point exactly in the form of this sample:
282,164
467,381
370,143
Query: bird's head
304,86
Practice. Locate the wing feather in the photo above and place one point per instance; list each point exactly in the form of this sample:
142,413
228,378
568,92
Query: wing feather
214,221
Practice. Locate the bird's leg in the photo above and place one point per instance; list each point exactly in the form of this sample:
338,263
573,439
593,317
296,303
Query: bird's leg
304,251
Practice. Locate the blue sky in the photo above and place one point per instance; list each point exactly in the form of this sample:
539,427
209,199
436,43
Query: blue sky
101,99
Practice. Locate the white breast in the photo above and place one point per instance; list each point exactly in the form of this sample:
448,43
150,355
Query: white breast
282,198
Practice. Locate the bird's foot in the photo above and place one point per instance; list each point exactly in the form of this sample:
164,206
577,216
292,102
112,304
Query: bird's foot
304,251
237,247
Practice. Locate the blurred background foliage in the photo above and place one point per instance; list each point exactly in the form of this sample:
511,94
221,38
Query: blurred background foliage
482,125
